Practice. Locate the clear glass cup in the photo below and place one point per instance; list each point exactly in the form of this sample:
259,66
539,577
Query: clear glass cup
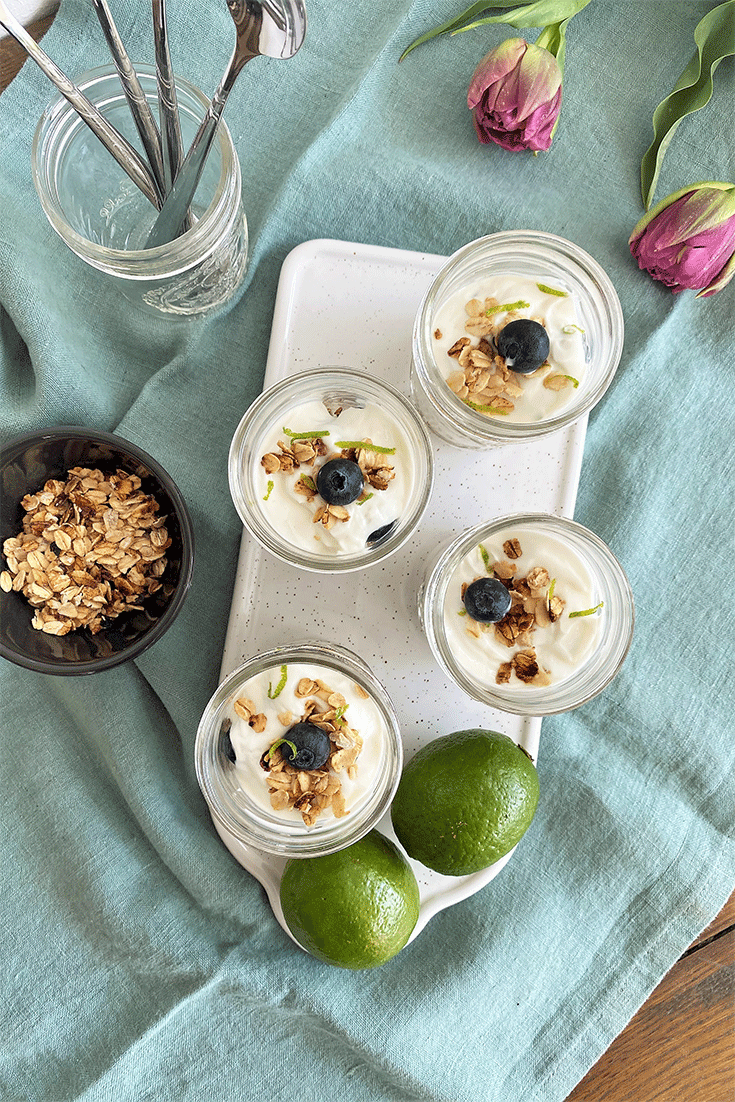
242,812
104,218
583,657
284,525
542,258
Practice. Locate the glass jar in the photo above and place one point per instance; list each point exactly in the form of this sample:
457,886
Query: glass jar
345,404
105,219
583,652
540,261
237,789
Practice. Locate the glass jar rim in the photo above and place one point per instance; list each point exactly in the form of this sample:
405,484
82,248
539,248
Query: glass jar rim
297,843
172,257
496,430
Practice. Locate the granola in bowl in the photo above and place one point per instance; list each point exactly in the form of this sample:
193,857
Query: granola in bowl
90,547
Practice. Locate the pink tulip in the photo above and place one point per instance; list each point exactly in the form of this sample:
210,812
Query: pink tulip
515,96
688,239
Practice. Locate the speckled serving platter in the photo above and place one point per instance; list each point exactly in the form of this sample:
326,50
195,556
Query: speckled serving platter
351,305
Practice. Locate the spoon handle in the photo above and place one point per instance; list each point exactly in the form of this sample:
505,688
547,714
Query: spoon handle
169,111
139,106
175,205
125,155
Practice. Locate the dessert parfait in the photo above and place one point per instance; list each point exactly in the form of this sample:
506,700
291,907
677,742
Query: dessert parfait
531,614
331,469
519,334
298,752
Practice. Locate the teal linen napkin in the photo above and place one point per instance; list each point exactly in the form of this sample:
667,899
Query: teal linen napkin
139,960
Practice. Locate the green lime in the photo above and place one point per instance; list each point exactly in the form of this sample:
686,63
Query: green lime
355,908
464,800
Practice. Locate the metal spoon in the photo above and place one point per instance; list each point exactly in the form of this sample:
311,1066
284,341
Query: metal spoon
136,97
125,155
173,149
273,28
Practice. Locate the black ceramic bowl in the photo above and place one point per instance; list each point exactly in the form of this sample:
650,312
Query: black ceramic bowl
25,465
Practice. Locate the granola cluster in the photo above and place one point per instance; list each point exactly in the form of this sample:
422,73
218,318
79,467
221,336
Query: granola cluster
377,471
534,605
90,548
310,791
482,379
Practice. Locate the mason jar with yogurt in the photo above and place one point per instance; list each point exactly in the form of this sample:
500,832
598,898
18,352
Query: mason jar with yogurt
530,613
331,470
298,752
519,334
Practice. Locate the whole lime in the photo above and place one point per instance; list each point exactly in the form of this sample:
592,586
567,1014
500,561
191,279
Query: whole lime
355,908
464,800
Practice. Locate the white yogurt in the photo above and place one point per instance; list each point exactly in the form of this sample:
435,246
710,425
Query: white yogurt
561,647
558,315
292,514
361,714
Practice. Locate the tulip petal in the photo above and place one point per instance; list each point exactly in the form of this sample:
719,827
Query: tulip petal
720,281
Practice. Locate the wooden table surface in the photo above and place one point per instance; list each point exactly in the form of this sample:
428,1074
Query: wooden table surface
680,1046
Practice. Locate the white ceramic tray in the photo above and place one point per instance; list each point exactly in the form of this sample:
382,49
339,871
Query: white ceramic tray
353,305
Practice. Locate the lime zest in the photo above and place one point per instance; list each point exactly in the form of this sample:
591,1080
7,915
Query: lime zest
339,714
586,611
550,594
269,490
485,556
572,380
364,444
486,409
552,290
312,434
279,687
280,742
571,328
367,497
462,612
309,482
505,307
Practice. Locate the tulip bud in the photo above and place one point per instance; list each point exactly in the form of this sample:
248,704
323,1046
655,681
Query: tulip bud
515,96
688,239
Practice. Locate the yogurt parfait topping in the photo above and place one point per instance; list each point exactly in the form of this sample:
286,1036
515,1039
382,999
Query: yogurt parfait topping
521,610
510,347
306,742
336,481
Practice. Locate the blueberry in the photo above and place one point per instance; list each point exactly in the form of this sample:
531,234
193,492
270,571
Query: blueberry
381,534
524,345
225,742
487,600
340,481
312,746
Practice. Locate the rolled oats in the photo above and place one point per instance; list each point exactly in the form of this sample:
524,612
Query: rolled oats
483,381
533,605
312,791
90,548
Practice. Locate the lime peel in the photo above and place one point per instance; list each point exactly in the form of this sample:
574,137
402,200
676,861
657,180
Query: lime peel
364,444
280,742
587,611
314,434
552,290
279,687
505,307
